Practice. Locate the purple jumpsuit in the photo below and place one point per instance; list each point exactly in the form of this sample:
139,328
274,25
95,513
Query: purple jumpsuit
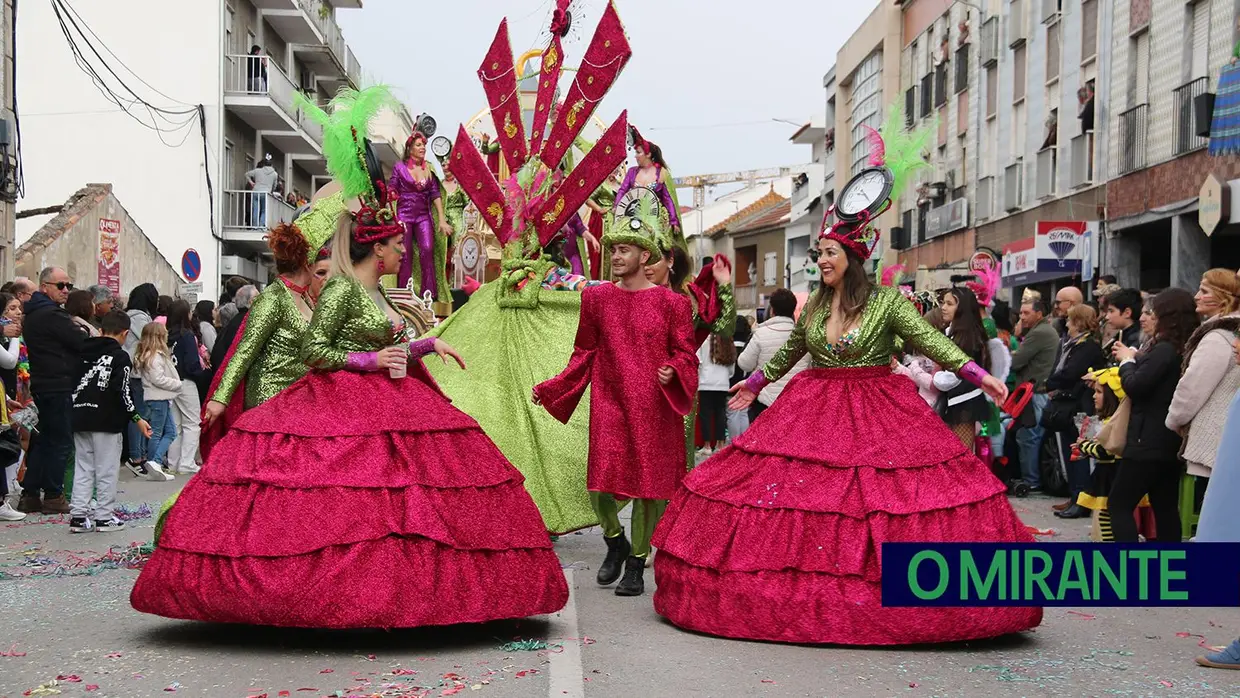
414,209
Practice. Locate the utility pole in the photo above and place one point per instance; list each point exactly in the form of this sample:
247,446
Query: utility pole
8,149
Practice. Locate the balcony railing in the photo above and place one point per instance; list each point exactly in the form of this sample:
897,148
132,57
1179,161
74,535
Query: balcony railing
1048,170
1133,127
251,210
246,75
1186,138
1083,159
325,21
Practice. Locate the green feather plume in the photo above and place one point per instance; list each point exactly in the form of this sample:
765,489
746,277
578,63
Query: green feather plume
350,111
905,149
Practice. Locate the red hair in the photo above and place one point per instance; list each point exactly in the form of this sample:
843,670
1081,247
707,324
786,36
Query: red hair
289,247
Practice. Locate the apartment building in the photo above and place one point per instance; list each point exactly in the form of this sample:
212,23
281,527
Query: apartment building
867,74
186,185
1166,58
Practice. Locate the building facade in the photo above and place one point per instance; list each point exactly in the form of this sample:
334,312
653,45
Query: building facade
186,184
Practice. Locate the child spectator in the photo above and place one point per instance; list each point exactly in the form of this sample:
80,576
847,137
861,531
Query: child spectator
161,385
102,409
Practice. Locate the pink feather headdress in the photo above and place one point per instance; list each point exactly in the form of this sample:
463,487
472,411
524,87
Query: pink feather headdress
987,285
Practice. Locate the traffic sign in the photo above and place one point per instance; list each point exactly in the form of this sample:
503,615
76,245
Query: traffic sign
191,265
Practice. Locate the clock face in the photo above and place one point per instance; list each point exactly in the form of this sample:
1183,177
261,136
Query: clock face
866,191
441,146
469,253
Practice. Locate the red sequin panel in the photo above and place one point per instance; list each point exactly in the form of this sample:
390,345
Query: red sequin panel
587,177
480,186
607,55
548,78
499,80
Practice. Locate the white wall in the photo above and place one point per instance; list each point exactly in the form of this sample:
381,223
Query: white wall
72,135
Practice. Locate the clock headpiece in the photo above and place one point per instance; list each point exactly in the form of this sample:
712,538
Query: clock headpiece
640,221
895,153
352,161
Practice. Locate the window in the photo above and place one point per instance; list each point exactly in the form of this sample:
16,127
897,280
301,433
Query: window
866,106
1018,74
927,93
910,106
249,41
229,18
1052,52
992,91
770,269
1089,30
1197,43
940,84
229,175
1019,127
962,69
1139,69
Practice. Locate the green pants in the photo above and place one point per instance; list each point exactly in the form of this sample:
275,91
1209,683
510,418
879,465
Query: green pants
646,515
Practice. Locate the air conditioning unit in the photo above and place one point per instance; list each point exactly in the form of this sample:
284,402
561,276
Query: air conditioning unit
232,265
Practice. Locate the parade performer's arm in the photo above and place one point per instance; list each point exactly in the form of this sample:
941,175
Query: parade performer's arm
260,324
744,393
561,394
396,183
319,348
681,385
920,335
668,194
626,185
436,195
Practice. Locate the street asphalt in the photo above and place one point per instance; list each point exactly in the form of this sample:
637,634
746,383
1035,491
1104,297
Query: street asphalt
69,630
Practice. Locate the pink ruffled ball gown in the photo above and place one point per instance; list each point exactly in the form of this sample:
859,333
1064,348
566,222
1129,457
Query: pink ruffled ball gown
353,500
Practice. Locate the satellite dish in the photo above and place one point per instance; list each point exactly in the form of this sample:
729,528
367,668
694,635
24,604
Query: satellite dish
441,146
426,125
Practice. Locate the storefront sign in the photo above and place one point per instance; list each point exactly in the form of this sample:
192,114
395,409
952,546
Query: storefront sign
1019,260
949,217
983,259
1214,204
1060,245
110,254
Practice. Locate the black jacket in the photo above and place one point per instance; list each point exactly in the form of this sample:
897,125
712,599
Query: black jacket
224,340
102,401
185,355
1150,384
1066,381
54,343
1130,336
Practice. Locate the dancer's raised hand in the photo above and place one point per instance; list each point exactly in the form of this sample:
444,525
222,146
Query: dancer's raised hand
444,350
742,397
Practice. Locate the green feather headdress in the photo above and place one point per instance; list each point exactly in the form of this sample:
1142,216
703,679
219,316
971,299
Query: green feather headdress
903,151
345,129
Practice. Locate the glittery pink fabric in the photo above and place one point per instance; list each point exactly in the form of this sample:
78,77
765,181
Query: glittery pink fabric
778,537
317,511
623,338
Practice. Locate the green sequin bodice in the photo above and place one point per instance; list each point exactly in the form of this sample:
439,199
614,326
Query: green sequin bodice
268,355
454,210
888,318
346,320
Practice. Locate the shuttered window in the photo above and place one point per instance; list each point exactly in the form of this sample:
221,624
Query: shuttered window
1018,73
1052,51
962,68
992,91
1089,29
1200,40
910,106
1140,69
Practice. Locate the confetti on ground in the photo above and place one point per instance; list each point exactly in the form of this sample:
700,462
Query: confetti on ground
126,513
1041,531
1167,684
77,563
1086,616
524,646
172,688
12,652
70,678
1201,641
1009,674
92,687
47,689
1093,658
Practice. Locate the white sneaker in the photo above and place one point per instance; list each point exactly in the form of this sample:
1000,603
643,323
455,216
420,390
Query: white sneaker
156,473
8,513
112,524
188,469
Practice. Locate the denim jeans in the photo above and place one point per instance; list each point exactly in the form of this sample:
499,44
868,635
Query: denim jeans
137,442
163,429
258,209
1029,441
51,446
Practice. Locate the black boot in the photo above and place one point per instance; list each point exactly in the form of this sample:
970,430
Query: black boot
632,584
618,549
1076,511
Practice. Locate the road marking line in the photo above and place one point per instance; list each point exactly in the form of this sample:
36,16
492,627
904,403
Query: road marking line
566,671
